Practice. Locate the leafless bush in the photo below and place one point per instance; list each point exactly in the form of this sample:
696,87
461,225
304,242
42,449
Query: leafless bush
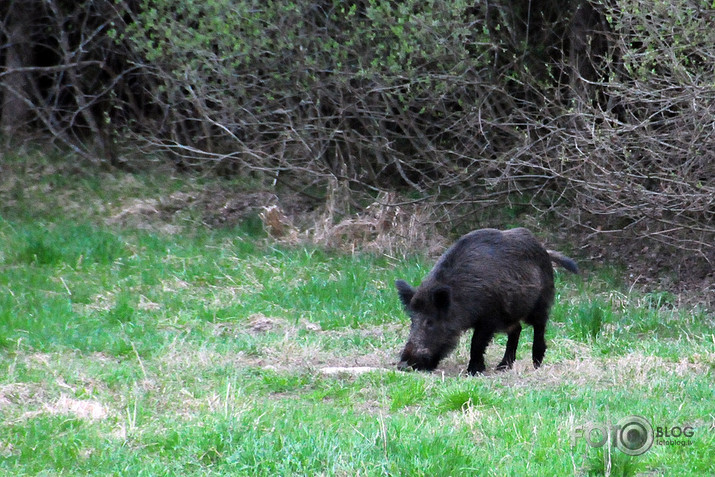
65,75
599,111
642,160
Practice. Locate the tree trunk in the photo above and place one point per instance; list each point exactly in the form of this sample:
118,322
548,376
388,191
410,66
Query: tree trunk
15,85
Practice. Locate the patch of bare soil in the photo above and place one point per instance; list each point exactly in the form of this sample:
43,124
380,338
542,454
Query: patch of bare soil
215,207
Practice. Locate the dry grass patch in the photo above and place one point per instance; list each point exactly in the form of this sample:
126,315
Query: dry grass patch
632,370
383,227
79,408
284,346
15,395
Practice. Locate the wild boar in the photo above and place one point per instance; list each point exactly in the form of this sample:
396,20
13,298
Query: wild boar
489,280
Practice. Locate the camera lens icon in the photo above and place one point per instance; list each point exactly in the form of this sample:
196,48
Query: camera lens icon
635,435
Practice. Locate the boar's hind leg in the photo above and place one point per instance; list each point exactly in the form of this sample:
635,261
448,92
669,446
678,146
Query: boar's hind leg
538,318
480,340
510,354
539,345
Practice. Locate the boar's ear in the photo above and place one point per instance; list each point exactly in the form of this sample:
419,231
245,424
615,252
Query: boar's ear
440,298
405,291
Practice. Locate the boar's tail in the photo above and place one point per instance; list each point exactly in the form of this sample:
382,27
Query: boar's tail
563,260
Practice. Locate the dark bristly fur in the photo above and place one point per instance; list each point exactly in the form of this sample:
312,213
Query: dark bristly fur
490,281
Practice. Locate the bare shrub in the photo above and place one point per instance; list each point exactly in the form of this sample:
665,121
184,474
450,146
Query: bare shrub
598,112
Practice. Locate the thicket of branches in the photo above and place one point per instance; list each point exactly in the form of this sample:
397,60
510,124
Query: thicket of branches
602,111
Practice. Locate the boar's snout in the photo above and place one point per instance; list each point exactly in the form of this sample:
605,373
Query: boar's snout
403,366
416,358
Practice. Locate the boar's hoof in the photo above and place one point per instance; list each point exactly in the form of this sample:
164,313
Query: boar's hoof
474,370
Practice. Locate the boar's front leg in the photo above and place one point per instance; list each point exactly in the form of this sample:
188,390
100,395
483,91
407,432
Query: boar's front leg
480,340
510,354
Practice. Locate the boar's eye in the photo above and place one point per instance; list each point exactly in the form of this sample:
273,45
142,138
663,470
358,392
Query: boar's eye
418,304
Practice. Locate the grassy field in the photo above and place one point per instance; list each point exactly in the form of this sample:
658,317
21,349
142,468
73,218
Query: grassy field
165,347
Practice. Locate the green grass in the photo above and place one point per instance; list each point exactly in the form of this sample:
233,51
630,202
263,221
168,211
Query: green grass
132,350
